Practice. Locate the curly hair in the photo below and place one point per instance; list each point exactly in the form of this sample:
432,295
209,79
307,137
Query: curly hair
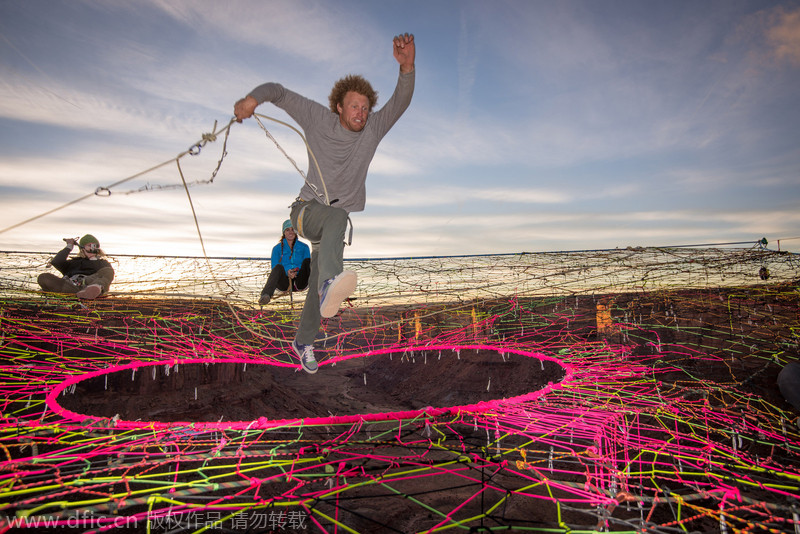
355,83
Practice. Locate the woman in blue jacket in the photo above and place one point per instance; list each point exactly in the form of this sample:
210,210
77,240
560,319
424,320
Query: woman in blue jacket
291,262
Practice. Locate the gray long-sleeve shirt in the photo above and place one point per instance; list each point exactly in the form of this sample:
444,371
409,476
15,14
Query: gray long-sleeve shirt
343,156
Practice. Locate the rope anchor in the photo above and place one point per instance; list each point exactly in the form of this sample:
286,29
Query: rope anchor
206,137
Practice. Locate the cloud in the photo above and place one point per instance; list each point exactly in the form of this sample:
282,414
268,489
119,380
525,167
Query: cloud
784,36
770,37
95,112
467,60
428,195
318,32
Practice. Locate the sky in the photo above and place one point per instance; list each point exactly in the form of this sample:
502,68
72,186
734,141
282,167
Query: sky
535,126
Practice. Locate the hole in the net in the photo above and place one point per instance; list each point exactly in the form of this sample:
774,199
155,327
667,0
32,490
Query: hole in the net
213,391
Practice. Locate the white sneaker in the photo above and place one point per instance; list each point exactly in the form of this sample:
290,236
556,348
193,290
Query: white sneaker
334,291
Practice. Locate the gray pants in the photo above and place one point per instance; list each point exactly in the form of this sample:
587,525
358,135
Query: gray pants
324,226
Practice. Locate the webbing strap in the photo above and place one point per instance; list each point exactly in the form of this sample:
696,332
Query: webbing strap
300,221
350,236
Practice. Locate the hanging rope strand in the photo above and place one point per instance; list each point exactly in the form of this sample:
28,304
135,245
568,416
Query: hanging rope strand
310,153
216,280
106,190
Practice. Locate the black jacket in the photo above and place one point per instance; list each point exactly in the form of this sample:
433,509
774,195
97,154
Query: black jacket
77,265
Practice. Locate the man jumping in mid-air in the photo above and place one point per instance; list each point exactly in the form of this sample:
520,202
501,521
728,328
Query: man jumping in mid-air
342,139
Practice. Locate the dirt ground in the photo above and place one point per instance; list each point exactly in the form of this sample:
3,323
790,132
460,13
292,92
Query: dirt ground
374,384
